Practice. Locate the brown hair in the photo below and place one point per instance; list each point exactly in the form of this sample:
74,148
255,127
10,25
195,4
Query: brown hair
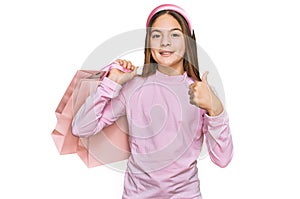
190,59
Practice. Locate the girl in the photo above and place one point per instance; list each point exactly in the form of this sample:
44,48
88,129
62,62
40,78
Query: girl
169,111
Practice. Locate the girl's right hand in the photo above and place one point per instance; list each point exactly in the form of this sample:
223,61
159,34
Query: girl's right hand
121,77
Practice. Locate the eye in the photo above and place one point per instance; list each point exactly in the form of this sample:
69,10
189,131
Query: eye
175,34
155,36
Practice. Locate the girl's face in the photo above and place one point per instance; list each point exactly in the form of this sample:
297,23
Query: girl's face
167,42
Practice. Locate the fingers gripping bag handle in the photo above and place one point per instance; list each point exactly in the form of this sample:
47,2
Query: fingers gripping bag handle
116,65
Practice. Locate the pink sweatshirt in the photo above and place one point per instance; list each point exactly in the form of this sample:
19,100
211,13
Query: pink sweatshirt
166,133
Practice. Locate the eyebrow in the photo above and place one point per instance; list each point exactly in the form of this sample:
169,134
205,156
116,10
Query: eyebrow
157,30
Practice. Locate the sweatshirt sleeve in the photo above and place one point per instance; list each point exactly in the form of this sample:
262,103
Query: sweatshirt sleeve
218,138
100,109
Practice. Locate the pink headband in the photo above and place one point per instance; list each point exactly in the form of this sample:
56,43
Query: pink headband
170,7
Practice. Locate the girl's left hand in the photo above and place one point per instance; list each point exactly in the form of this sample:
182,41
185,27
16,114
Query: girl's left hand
203,97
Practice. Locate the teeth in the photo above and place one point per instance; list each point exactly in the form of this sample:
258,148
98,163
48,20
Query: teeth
165,53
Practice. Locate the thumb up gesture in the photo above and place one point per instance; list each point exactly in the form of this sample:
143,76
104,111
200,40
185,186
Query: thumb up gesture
203,97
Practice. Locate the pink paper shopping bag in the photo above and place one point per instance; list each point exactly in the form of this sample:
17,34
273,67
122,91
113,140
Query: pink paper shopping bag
109,145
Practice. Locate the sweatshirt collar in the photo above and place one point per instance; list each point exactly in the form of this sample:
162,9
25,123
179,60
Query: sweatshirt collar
171,79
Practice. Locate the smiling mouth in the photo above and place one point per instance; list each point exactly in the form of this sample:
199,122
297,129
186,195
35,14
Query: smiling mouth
166,53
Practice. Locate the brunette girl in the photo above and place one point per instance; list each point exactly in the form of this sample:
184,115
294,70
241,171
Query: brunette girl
171,112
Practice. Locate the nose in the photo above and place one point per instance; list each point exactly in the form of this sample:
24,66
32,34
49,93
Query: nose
165,41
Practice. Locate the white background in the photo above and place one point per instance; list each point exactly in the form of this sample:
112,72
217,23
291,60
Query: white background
254,45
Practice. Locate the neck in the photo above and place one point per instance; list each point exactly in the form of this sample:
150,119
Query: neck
171,71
